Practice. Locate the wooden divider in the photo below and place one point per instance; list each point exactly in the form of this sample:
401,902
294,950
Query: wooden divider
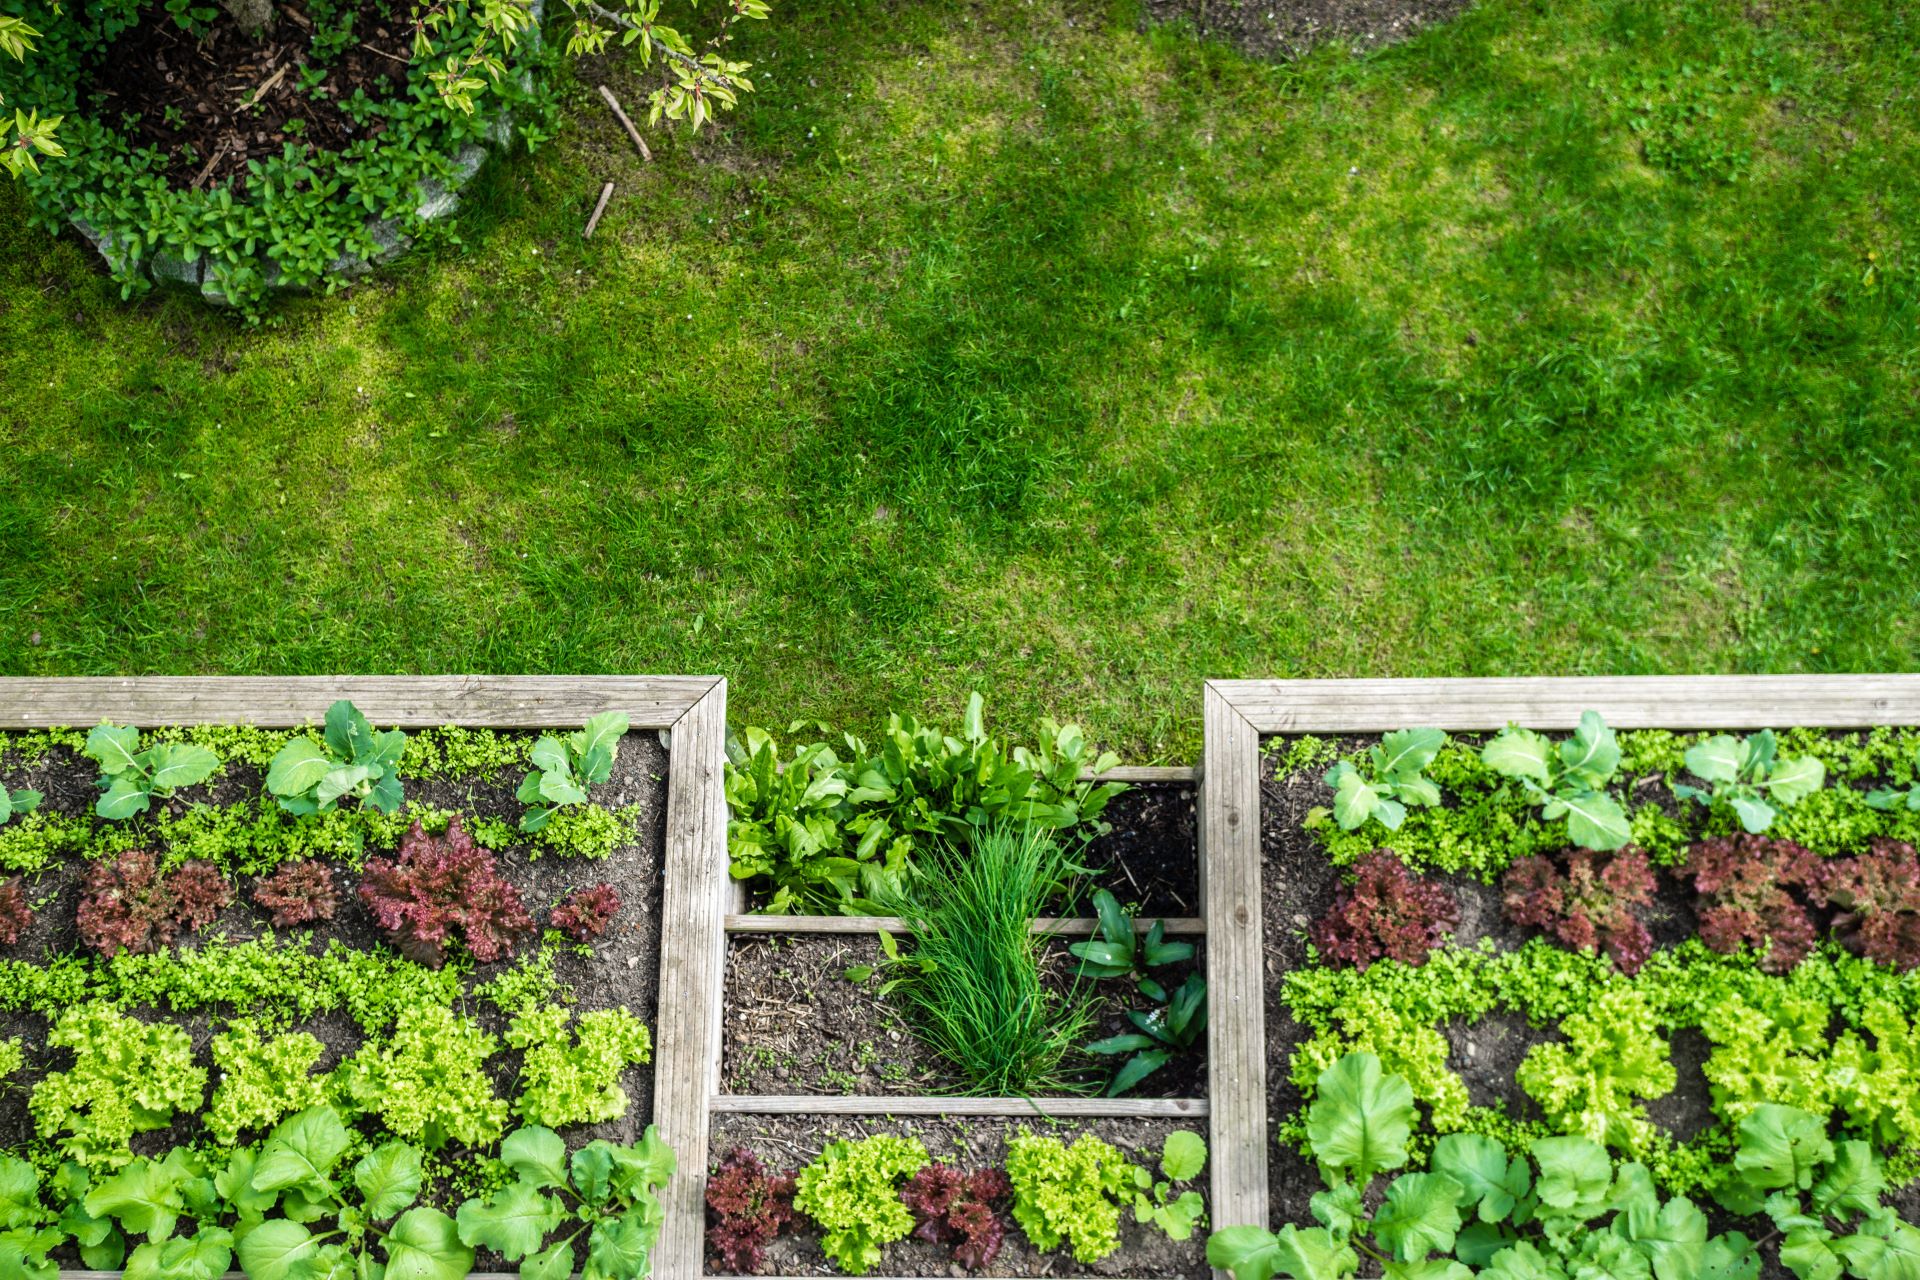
1238,713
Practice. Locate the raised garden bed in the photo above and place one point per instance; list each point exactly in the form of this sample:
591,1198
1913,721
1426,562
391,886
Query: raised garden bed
150,947
1632,992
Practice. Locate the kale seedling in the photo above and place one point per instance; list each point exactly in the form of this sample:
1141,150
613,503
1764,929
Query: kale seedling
565,767
1182,1158
1569,782
1748,777
132,779
1119,950
1879,797
19,800
1388,778
352,760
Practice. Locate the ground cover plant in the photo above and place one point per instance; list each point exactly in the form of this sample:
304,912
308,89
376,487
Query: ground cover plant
1781,953
344,1041
1062,325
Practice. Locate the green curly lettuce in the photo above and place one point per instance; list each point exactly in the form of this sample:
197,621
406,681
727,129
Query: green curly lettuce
575,1078
1069,1194
1613,1055
128,1077
853,1192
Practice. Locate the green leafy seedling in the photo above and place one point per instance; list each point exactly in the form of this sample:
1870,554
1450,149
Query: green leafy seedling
1895,797
1119,950
350,761
1181,1159
1388,778
1160,1034
563,768
1568,780
299,1169
133,779
21,800
608,1193
1749,777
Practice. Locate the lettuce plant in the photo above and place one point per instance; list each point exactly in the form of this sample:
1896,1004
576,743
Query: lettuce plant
1386,912
563,768
127,1077
1772,1046
852,1190
15,913
1878,896
427,1080
1406,1047
1753,891
298,892
1069,1194
609,1194
130,905
584,914
350,761
1613,1055
1747,776
1877,1087
1568,781
573,1077
959,1210
340,1223
747,1207
260,1081
133,779
1477,1210
1388,778
1585,901
439,885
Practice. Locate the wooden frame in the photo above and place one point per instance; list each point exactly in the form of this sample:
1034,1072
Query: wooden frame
1238,713
692,713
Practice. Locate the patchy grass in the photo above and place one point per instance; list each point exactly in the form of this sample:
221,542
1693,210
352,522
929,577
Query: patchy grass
1003,345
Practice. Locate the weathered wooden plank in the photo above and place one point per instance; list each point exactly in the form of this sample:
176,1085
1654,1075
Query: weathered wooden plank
1148,773
692,961
496,702
882,1105
1667,702
1078,927
1236,1035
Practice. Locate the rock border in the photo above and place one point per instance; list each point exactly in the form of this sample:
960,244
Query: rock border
436,201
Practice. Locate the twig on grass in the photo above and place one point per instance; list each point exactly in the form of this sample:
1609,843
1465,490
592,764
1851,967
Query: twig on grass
638,141
606,193
405,62
212,160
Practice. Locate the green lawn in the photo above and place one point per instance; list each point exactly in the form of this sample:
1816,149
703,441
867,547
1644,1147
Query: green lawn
1006,346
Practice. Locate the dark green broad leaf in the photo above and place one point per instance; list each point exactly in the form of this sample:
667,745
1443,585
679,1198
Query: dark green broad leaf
1491,1181
1672,1236
174,765
297,768
1420,1216
1253,1253
1136,1069
114,748
1781,1147
1730,1257
514,1221
537,1155
146,1196
277,1249
388,1179
202,1256
619,1249
1361,1118
347,731
425,1245
552,1263
1853,1183
302,1152
124,798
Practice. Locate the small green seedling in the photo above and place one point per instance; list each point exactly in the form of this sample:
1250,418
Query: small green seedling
1181,1160
21,800
133,779
1749,777
565,767
1388,778
351,761
1160,1034
1120,951
1568,782
1894,797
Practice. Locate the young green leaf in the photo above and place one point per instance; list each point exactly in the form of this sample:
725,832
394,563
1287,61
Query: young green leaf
1421,1215
425,1245
1781,1147
513,1221
302,1152
1361,1118
388,1179
1487,1177
538,1155
278,1249
1183,1156
1254,1253
1574,1173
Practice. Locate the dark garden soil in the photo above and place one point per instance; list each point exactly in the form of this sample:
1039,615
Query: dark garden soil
1298,887
212,102
1288,28
797,1024
621,971
1150,856
786,1143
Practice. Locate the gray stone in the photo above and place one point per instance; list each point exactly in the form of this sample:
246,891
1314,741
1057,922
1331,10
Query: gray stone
168,267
